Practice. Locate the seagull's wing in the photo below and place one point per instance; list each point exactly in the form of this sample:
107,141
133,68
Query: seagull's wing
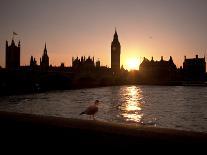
91,110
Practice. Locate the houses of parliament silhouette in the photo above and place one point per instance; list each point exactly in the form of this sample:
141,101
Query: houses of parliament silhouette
85,72
13,58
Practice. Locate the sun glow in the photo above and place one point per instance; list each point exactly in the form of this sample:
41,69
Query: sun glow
132,64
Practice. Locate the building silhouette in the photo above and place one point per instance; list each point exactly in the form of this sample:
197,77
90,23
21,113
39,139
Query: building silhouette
83,64
12,55
194,69
157,71
33,62
98,64
44,61
85,72
115,53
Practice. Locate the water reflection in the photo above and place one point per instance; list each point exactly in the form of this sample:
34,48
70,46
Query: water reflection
162,106
131,109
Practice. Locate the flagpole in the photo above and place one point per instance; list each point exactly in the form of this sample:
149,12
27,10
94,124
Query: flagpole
14,34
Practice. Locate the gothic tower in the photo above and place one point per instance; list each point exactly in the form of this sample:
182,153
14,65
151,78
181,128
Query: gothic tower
44,62
115,53
12,55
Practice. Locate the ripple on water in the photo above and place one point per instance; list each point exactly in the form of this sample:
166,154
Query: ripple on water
162,106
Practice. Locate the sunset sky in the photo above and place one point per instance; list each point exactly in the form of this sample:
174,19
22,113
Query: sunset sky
86,27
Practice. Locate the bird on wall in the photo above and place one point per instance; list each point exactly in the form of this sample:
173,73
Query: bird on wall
92,109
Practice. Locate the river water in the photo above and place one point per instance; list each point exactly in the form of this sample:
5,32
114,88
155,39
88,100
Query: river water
176,107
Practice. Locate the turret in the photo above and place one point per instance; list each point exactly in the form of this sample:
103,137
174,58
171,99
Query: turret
152,59
12,42
6,43
12,55
31,59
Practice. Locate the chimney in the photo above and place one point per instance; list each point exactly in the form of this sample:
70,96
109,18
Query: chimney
196,56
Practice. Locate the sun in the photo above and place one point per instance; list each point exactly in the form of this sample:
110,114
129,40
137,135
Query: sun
132,64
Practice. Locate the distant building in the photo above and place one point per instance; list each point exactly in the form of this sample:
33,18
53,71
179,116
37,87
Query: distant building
194,69
115,53
98,64
33,62
12,55
44,61
83,64
157,71
62,65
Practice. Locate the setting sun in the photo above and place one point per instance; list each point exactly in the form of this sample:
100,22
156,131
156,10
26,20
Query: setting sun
132,63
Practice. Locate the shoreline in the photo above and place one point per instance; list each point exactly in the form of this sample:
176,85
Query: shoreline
23,92
46,128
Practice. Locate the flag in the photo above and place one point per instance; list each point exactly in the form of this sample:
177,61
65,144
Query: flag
14,33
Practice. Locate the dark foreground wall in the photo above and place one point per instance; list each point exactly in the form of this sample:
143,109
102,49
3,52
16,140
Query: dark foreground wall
16,127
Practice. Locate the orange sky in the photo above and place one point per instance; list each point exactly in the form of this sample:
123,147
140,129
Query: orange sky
85,28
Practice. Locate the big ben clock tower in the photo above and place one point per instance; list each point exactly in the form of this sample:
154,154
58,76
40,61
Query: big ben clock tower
115,53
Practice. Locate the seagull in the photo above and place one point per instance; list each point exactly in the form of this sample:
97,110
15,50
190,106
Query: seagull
92,109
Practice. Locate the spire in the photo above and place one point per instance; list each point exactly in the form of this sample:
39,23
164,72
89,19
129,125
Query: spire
31,60
45,46
45,50
170,60
115,34
115,31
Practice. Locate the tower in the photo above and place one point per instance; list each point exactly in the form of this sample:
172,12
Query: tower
115,53
12,55
33,62
44,62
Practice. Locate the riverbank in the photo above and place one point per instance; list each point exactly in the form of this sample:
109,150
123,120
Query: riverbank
26,91
29,127
25,81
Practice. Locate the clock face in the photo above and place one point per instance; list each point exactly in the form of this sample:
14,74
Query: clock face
114,48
